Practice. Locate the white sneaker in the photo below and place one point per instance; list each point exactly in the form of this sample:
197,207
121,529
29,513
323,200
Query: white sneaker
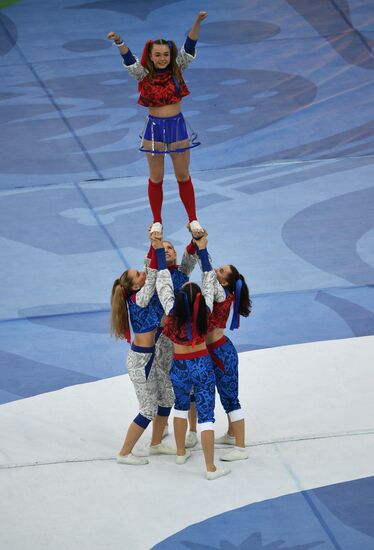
237,453
218,473
191,440
165,432
156,228
132,459
181,459
196,228
225,439
162,449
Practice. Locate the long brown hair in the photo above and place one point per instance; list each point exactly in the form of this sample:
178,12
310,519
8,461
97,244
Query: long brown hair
119,319
245,304
172,67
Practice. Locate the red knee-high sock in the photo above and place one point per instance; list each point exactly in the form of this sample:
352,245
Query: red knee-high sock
155,195
187,194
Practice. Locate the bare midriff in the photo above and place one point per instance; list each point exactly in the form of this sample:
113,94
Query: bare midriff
145,339
215,335
165,110
188,349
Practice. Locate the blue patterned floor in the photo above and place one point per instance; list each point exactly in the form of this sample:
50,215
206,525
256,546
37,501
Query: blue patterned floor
281,97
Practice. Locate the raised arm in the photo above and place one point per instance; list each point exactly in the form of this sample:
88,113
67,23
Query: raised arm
164,283
208,274
189,259
188,52
130,62
145,294
195,29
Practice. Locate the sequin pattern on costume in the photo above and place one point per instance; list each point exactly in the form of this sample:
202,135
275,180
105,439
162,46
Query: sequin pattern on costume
221,312
160,90
145,386
178,278
197,372
161,365
227,380
143,319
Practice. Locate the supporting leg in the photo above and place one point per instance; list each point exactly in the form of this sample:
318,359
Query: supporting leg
133,435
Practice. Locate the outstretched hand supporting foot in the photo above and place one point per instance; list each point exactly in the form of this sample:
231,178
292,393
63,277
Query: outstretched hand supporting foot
197,233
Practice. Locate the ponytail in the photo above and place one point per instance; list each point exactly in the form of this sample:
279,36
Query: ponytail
245,302
184,309
119,320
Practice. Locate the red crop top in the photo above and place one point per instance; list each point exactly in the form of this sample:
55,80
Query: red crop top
179,337
160,90
220,314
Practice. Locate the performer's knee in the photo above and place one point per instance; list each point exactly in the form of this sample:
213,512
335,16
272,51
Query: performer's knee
236,415
180,414
142,421
163,411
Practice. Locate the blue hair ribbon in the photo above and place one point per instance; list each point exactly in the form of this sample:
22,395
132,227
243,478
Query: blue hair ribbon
235,321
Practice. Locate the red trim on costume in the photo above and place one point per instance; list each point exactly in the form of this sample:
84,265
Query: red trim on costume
191,248
193,355
194,318
214,346
218,343
127,335
153,264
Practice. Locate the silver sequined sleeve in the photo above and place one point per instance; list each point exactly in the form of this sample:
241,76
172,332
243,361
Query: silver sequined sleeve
188,263
208,287
165,290
184,59
144,295
136,70
219,291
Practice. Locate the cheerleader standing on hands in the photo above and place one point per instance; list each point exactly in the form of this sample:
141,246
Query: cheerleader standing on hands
161,87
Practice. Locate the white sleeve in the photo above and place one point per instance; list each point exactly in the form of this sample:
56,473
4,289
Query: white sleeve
188,263
136,70
219,292
165,290
208,287
184,58
145,294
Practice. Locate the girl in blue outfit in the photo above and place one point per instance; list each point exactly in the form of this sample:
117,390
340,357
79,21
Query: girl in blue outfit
186,327
161,87
133,300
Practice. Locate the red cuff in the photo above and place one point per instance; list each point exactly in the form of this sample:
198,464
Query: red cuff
191,248
153,264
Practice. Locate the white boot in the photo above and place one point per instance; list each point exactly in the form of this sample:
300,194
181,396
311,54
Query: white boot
132,459
219,472
237,453
196,229
191,440
156,228
225,439
162,449
181,459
